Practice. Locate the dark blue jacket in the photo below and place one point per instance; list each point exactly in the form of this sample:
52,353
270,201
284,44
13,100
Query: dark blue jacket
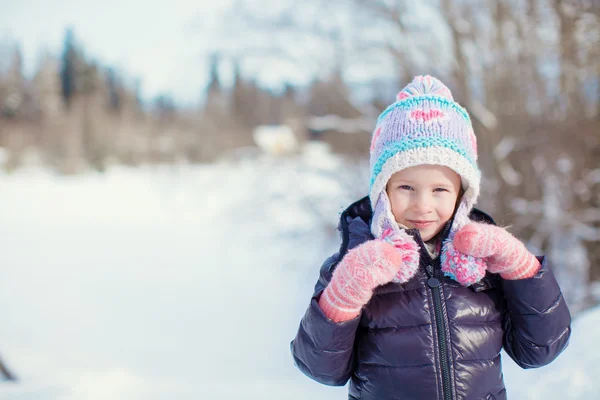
421,341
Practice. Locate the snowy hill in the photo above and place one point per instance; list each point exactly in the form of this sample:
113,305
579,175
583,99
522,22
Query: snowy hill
188,283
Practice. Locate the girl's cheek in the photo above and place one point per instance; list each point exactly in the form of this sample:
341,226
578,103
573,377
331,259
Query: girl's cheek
450,210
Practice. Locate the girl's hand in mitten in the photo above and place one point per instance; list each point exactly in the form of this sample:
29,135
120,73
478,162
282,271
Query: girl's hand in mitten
504,254
362,269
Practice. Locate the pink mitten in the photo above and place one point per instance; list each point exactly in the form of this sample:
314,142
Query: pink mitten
362,269
504,254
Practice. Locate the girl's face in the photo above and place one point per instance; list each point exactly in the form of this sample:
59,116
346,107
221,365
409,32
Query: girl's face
424,197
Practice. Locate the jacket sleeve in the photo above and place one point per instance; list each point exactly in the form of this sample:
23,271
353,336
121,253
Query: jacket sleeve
322,349
537,324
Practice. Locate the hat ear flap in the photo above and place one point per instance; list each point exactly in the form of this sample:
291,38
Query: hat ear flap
463,268
383,218
385,227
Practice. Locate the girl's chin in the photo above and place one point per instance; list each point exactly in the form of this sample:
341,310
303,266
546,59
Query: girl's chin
426,237
427,234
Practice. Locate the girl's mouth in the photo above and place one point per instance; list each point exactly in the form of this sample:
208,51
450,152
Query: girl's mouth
421,224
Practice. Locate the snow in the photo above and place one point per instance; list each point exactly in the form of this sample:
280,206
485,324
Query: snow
275,139
188,282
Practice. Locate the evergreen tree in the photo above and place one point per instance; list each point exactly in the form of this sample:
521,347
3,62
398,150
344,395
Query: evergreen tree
15,86
114,90
215,96
239,97
68,69
290,109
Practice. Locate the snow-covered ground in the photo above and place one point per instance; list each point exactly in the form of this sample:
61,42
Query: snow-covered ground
187,283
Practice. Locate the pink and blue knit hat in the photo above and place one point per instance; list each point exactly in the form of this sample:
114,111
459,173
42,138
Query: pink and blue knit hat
426,126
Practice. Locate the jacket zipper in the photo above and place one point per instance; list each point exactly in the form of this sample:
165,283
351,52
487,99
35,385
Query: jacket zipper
435,285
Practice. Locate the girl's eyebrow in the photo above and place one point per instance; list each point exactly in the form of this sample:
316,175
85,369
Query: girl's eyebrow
398,181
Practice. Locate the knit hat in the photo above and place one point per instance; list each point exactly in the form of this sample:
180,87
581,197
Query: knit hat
426,126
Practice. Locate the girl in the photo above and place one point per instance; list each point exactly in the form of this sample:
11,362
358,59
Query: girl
425,290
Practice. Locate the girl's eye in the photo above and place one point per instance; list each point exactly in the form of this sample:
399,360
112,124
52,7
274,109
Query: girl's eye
404,187
440,190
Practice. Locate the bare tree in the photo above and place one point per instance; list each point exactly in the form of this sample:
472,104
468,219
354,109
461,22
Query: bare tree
528,71
6,373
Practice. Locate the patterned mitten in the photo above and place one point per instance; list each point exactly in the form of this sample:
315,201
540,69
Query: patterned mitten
371,264
504,254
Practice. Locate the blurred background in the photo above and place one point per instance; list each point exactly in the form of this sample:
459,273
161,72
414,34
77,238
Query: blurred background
172,174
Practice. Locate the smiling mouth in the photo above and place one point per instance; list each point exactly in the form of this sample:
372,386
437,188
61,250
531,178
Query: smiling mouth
421,224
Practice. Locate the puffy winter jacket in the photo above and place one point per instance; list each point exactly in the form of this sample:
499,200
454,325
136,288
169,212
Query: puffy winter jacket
431,338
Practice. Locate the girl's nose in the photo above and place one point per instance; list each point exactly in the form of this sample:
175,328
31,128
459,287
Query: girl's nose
422,204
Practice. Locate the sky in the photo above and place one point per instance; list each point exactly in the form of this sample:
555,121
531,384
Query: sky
156,283
167,43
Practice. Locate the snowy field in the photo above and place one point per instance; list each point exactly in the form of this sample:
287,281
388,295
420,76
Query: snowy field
187,283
